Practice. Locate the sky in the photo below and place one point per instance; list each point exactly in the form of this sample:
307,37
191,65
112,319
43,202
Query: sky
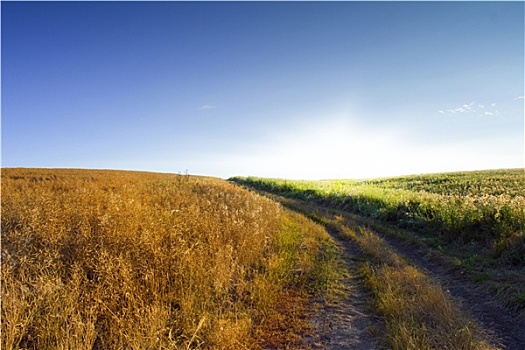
298,90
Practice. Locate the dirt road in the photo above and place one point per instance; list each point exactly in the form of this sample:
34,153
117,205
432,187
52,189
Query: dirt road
350,324
347,323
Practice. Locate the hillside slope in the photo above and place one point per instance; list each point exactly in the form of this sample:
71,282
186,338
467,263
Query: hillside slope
112,259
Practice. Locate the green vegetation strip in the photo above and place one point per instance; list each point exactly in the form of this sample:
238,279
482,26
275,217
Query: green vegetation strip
486,209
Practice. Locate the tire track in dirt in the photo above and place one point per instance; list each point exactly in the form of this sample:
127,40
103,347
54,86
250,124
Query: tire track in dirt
346,323
505,326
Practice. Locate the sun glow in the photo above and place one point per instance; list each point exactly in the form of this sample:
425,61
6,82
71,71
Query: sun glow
343,148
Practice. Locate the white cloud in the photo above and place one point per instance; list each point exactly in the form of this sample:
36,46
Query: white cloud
520,98
473,107
469,106
466,108
206,107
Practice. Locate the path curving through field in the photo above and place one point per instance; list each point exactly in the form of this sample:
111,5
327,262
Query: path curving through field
350,324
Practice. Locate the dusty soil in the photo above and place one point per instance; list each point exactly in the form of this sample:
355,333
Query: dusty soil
346,323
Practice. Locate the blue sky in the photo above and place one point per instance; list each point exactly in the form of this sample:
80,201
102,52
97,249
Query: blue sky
305,90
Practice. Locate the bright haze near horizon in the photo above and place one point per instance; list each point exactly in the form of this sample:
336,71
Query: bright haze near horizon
299,90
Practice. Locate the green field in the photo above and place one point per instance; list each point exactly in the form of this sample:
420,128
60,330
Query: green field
485,209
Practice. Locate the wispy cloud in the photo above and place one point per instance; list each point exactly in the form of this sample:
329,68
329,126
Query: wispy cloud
473,107
203,107
466,108
520,98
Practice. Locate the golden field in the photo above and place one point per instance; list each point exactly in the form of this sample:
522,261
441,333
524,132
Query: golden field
96,259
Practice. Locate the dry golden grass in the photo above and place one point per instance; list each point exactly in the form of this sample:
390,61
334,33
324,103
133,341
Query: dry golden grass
129,260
